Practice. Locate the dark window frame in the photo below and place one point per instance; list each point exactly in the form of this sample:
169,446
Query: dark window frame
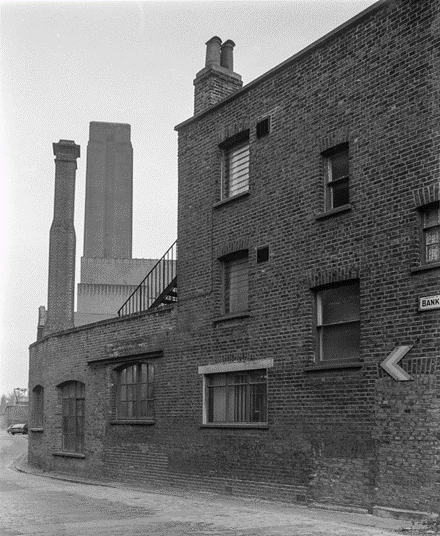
132,392
38,406
241,389
337,190
323,329
73,416
235,165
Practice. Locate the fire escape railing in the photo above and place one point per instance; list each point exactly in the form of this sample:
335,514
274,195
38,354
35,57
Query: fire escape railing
159,286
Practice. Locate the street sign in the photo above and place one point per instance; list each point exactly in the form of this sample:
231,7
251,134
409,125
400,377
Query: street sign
429,302
390,364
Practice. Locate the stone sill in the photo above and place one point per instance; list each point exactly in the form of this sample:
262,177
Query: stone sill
127,422
230,199
69,454
330,365
232,316
334,212
36,429
235,425
425,267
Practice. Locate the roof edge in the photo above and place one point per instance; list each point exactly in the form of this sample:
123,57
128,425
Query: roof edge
351,22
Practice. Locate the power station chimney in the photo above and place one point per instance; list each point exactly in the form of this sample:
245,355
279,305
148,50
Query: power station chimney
108,225
62,242
217,79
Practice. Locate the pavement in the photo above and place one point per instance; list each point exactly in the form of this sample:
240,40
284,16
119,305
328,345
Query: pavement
51,504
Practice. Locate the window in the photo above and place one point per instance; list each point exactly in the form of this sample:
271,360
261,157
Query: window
338,322
38,406
73,416
336,177
237,397
431,233
236,283
236,166
135,392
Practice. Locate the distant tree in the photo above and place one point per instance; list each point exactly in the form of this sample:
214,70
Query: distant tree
6,400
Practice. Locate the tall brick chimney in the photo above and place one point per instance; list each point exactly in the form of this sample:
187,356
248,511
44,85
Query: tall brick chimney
217,79
62,242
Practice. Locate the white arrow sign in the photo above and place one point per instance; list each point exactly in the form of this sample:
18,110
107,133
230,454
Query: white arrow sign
390,364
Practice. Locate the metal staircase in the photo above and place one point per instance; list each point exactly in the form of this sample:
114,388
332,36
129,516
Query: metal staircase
158,288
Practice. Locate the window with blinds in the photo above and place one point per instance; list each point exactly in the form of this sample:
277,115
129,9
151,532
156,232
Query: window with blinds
237,397
236,283
236,169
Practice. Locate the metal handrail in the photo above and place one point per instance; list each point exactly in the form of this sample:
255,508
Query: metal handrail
160,277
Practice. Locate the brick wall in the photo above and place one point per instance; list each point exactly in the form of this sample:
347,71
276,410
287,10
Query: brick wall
330,436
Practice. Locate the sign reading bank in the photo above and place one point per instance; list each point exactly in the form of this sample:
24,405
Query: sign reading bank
429,302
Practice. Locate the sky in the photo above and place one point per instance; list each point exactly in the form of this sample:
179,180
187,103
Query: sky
65,64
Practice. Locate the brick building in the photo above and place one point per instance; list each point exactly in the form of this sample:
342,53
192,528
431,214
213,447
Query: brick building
309,253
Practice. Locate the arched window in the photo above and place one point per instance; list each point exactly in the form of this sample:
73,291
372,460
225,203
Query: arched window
72,394
135,392
38,406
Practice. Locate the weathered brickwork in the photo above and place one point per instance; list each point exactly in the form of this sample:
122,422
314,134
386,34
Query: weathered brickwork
348,435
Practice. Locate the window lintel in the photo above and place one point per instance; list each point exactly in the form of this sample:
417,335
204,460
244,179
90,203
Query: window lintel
236,366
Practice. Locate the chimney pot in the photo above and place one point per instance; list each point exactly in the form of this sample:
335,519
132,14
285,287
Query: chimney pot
213,51
227,55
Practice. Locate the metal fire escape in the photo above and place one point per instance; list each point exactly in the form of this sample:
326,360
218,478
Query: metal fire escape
158,288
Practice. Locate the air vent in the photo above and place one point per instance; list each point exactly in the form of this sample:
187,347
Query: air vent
263,254
263,127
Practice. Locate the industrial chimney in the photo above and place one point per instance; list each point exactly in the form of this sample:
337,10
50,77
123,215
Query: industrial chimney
62,242
217,79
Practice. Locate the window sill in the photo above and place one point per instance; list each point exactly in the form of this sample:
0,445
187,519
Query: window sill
37,429
334,212
230,199
69,454
331,365
425,267
261,426
231,316
139,422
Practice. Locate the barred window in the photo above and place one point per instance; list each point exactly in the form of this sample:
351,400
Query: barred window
236,283
73,401
38,406
338,326
336,177
431,234
235,168
135,392
237,397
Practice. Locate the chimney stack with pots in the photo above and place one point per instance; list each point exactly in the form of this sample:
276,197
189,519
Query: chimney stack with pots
217,79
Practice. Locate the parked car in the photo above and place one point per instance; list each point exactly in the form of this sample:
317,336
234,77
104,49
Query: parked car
18,429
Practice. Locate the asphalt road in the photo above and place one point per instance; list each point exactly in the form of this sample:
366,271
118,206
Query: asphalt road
36,505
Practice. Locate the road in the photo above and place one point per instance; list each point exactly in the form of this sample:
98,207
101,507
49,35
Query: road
36,505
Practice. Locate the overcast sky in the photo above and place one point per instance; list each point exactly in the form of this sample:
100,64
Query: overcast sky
65,64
